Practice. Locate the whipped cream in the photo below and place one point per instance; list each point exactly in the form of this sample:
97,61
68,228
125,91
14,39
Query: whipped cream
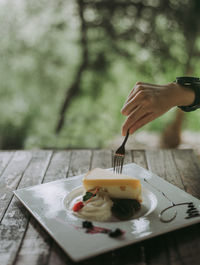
98,208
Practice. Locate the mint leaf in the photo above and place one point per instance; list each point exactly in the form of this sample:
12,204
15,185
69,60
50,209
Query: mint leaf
87,196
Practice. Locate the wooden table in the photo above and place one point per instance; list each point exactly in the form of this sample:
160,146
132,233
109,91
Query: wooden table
24,242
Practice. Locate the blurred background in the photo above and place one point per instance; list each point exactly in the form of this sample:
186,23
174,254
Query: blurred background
66,68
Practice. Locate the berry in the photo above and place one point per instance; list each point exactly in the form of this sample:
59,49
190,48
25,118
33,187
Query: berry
77,206
115,233
87,224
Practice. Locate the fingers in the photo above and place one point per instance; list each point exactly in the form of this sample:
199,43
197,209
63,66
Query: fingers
139,86
131,105
133,118
143,98
133,91
145,102
132,99
144,120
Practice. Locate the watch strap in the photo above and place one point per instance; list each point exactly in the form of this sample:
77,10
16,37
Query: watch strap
194,84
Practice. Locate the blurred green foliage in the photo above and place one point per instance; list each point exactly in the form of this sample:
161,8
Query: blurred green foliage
39,54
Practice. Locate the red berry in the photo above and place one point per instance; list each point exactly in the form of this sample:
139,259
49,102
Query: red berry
77,206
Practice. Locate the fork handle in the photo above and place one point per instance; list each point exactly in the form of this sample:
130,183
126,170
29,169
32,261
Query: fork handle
126,138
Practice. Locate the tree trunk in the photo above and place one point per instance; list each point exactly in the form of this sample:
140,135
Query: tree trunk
74,90
171,136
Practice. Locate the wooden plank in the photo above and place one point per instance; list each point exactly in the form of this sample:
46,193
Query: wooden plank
80,162
59,166
139,158
102,159
189,169
161,162
35,247
128,157
16,218
11,178
5,157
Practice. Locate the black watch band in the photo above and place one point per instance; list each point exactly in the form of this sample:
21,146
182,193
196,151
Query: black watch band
194,84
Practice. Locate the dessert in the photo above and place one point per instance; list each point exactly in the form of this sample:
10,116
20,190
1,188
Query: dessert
117,185
107,194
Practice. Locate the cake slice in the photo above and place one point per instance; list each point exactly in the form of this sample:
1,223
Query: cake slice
117,185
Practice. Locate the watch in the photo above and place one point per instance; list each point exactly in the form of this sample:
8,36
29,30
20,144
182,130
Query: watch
194,84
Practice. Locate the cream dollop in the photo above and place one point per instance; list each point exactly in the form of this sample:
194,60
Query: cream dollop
98,208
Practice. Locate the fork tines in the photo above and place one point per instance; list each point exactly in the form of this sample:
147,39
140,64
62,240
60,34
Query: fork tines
118,158
118,161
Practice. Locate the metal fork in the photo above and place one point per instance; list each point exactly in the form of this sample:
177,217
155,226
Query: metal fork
118,158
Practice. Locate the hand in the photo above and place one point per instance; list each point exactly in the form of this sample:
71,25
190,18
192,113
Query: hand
147,102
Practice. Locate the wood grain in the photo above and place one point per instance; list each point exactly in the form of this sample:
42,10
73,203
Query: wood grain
80,162
102,159
59,166
11,177
5,158
139,158
15,220
161,162
128,158
189,167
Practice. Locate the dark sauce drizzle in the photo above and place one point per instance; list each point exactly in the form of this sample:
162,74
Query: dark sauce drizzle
191,212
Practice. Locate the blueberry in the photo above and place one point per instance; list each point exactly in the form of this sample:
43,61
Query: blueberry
87,224
115,233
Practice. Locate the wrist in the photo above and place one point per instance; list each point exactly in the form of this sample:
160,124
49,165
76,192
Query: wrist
182,96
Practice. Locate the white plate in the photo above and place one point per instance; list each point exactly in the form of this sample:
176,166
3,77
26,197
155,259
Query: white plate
50,204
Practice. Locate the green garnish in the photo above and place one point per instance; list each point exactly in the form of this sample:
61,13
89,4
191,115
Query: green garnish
88,195
124,208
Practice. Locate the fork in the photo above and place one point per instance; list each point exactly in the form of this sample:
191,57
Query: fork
118,158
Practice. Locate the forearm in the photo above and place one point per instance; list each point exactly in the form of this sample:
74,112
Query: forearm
182,96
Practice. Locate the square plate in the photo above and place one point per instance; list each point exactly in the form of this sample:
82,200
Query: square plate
49,203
